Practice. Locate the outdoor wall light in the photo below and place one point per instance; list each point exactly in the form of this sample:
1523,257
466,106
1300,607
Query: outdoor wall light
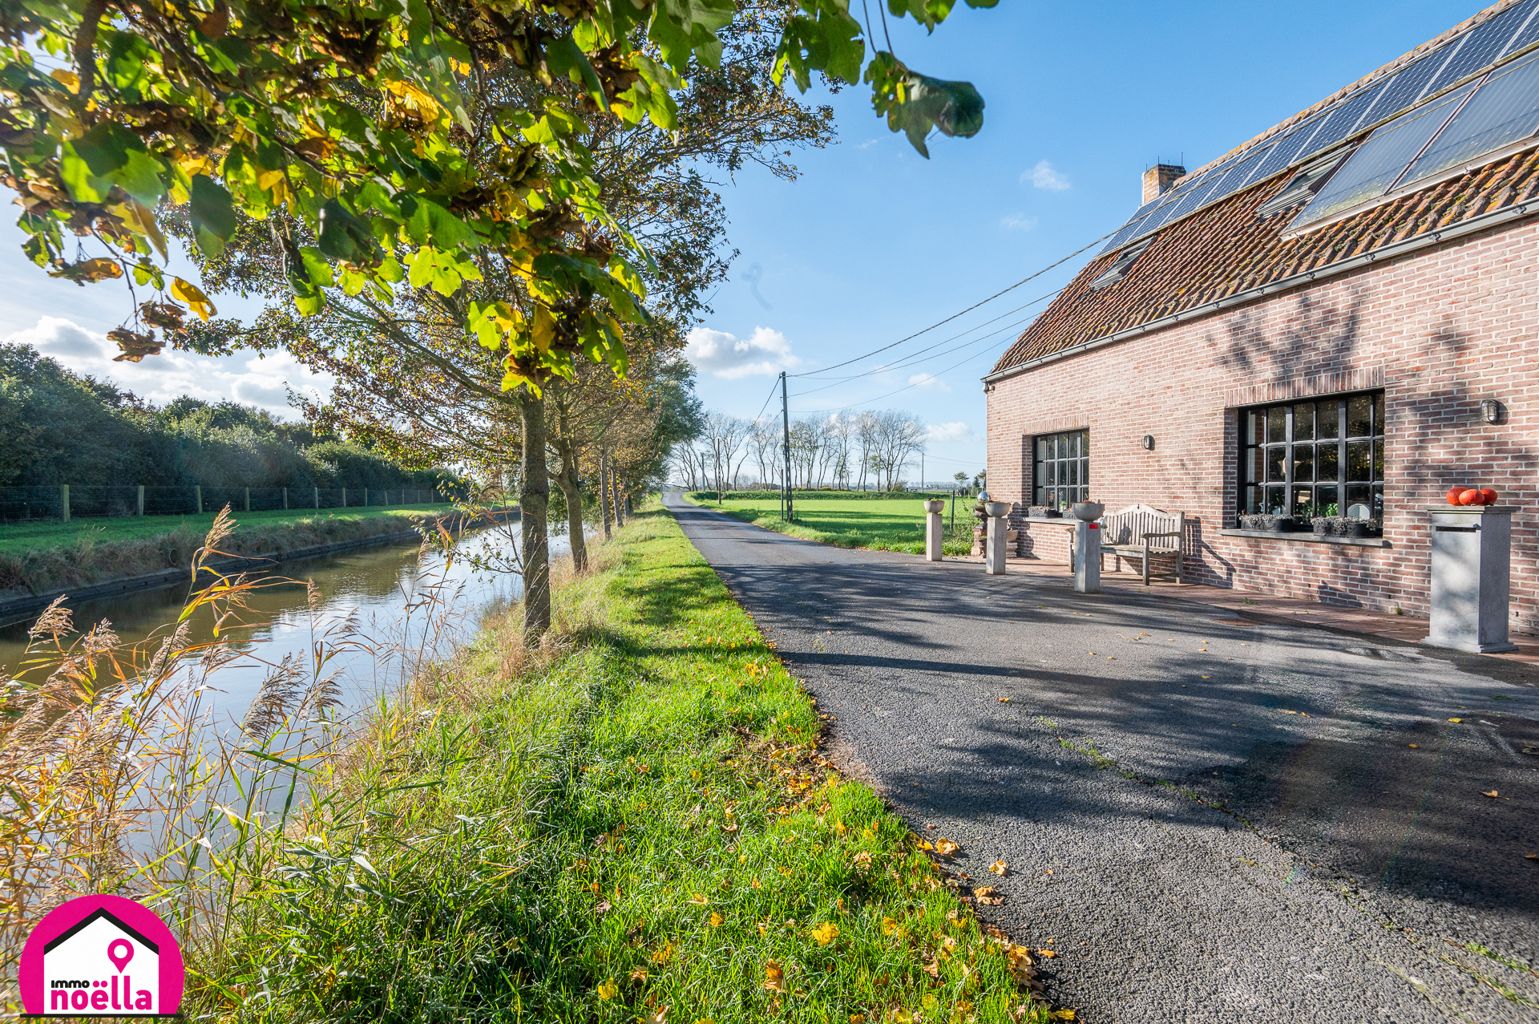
1148,442
1491,410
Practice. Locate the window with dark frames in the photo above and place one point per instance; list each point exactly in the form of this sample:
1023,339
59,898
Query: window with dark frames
1323,457
1062,470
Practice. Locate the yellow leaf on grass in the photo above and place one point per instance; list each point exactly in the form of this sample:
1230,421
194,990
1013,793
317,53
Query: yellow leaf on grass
716,919
698,899
825,933
999,867
192,295
774,977
607,990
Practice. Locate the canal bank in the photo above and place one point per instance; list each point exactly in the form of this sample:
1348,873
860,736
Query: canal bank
99,566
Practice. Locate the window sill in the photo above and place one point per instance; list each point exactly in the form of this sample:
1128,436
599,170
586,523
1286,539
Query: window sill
1308,538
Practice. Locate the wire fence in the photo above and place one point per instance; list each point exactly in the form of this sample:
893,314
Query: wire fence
63,502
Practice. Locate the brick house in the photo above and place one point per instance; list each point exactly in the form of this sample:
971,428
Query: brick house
1338,317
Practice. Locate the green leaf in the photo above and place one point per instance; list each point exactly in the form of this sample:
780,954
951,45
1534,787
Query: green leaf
916,104
345,237
825,38
213,214
564,57
680,28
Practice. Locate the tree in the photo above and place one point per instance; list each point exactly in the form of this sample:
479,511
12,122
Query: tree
764,439
898,437
866,432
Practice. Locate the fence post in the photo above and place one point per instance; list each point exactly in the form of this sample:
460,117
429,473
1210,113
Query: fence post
248,499
141,499
317,497
64,500
285,499
365,497
344,497
197,491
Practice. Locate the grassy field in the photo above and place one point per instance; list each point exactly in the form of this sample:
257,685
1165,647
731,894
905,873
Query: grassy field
633,823
848,519
44,556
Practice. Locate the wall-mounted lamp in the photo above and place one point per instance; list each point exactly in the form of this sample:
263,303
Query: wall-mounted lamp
1148,442
1491,410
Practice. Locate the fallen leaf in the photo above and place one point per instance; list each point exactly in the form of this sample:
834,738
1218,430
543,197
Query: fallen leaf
1064,1014
660,1016
987,895
607,990
1456,721
825,933
1004,700
1492,793
699,900
946,847
999,868
774,977
715,919
1414,746
1531,856
1046,954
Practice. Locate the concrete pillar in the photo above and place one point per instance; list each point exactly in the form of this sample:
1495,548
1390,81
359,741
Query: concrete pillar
934,531
1471,548
317,496
140,500
64,501
994,541
197,495
1087,557
246,499
285,499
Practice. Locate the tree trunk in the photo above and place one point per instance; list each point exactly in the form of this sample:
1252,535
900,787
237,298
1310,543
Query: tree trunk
614,496
571,489
534,509
603,491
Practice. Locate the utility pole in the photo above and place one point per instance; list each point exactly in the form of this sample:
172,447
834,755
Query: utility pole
785,427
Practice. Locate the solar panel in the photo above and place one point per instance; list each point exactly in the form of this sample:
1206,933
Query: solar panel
1241,171
1342,118
1285,152
1404,88
1504,110
1529,33
1481,46
1379,161
1128,230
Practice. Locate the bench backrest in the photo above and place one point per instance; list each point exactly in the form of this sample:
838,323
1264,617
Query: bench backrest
1129,525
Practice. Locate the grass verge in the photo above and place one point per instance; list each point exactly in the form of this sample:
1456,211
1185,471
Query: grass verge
882,522
40,557
634,823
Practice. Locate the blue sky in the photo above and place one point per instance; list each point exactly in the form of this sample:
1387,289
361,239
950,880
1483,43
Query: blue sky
874,242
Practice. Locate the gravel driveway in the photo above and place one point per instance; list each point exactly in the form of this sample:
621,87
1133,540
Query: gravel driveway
1208,818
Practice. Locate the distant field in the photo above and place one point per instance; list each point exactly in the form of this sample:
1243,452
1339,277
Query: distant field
35,537
886,522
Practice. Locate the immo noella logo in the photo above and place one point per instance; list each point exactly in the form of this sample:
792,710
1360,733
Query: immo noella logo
101,956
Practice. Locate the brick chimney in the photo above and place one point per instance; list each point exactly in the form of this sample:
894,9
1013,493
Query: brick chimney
1159,178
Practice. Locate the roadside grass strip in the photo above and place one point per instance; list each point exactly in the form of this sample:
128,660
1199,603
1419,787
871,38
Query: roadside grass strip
640,827
847,519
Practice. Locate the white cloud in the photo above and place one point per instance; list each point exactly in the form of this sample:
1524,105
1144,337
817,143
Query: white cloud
1017,222
953,430
248,377
729,357
928,381
1045,176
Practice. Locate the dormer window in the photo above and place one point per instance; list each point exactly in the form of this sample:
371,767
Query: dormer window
1304,184
1120,266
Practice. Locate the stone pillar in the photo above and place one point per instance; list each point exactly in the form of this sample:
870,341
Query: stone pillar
140,501
64,502
994,541
197,496
934,531
1470,578
1087,557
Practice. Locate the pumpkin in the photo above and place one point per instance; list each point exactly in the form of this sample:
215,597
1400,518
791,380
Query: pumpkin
1469,496
1487,496
1453,494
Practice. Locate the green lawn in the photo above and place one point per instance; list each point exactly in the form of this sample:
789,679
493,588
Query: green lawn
850,520
634,824
33,537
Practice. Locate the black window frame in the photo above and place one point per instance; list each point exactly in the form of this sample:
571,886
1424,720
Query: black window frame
1060,476
1269,484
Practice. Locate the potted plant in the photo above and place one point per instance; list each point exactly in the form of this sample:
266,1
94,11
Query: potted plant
1044,512
1342,526
1088,510
1266,522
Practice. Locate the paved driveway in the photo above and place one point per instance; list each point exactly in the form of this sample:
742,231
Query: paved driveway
1210,819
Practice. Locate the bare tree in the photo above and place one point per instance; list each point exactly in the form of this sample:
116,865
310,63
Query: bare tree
764,441
724,436
866,440
900,436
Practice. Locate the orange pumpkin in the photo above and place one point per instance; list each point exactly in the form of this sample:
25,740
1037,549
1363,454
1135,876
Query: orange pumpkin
1453,494
1469,496
1487,496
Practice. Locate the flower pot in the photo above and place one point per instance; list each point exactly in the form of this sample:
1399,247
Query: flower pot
1264,522
935,504
1089,511
997,508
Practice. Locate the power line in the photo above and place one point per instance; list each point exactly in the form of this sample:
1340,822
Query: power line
767,398
960,313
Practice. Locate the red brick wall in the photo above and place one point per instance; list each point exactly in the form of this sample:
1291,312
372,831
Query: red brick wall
1438,331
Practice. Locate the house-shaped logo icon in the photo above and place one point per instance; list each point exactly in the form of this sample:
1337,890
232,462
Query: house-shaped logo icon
101,956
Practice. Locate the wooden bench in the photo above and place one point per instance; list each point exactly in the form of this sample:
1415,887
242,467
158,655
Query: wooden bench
1144,533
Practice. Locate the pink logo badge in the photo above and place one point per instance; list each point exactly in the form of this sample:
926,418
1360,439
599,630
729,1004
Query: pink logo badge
101,956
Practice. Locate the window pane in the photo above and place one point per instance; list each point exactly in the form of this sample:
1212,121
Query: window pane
1277,424
1328,463
1499,114
1275,469
1051,476
1255,466
1378,414
1378,458
1071,472
1359,494
1304,422
1253,499
1328,418
1359,416
1274,500
1359,460
1328,499
1303,463
1302,497
1377,506
1255,427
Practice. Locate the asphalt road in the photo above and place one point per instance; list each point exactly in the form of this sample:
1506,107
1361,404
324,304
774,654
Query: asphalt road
1209,818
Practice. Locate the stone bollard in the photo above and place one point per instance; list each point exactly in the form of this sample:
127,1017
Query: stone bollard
1471,577
1087,547
934,532
994,544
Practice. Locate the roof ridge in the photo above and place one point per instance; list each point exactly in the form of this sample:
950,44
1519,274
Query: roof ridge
1410,56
